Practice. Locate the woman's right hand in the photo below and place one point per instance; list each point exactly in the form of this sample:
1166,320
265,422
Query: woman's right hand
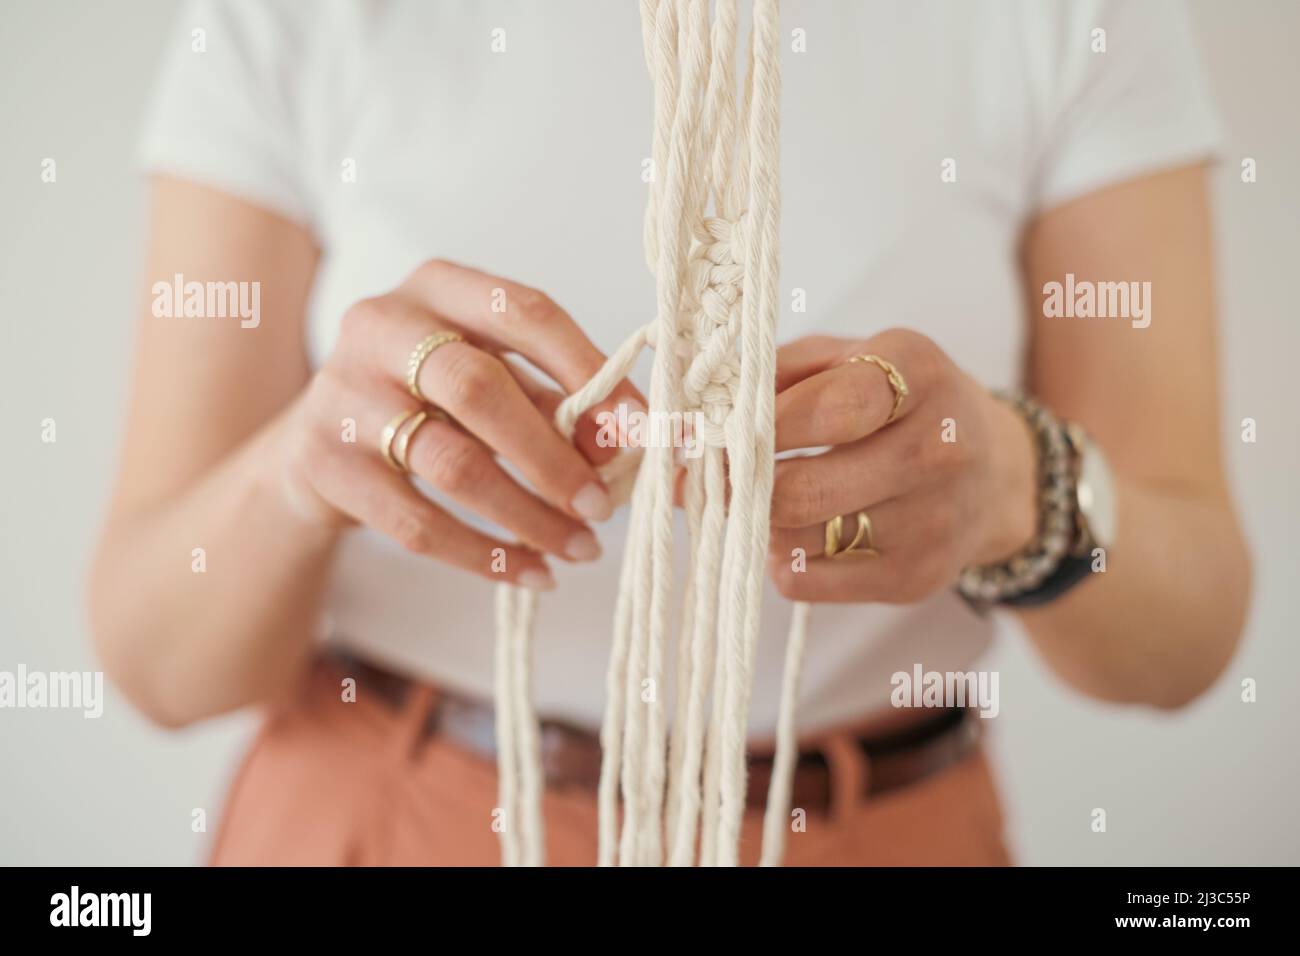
497,409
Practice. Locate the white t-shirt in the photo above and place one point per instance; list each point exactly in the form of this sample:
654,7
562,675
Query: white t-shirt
396,132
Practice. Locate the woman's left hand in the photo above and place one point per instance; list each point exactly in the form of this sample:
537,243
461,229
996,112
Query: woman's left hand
950,482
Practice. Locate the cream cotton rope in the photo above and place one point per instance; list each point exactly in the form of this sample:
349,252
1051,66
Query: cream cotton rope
714,339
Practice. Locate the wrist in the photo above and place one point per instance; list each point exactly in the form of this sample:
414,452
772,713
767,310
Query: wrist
1013,486
1045,568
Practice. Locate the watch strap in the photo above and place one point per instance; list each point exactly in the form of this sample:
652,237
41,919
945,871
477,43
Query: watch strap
1068,573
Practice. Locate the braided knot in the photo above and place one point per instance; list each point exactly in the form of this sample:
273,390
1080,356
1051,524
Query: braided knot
716,275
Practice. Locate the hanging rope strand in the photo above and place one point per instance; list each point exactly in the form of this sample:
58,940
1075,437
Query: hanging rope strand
507,758
714,336
755,408
776,817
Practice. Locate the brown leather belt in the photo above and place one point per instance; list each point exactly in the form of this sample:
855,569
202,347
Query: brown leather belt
571,756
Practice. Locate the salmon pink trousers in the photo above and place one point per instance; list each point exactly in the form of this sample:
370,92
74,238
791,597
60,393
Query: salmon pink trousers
335,783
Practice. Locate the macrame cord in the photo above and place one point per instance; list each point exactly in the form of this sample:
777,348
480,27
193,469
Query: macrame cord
711,241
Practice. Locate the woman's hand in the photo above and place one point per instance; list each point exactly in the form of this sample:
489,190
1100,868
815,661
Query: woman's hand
497,409
949,483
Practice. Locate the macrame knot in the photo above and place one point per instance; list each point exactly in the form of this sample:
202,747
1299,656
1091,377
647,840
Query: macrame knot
716,275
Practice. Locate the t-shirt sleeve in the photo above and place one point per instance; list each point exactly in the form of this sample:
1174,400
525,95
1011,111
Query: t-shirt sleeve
225,111
1140,106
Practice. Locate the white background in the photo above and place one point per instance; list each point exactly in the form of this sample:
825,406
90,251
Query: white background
1213,784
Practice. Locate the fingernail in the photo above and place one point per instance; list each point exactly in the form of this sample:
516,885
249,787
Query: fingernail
583,546
537,580
593,503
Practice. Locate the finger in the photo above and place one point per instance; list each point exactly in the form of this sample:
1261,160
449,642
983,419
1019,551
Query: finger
459,465
812,489
916,538
834,407
902,576
515,318
592,436
825,398
680,481
809,355
480,393
546,399
855,580
366,489
893,574
889,531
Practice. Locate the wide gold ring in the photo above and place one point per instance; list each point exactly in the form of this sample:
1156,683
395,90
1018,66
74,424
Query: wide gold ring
896,381
396,437
420,353
835,532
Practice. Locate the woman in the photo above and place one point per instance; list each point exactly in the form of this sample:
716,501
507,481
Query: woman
977,196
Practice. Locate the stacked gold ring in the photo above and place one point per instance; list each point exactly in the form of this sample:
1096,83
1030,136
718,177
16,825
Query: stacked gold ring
396,437
896,381
835,532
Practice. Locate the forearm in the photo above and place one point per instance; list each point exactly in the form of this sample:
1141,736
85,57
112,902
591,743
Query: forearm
191,635
1159,625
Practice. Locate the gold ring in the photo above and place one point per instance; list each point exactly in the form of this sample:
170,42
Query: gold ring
835,531
404,433
420,353
395,425
896,381
834,528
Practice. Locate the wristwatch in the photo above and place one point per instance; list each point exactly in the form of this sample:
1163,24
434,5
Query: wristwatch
1076,516
1094,494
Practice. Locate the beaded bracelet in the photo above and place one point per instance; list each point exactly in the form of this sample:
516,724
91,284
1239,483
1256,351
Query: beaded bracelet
1057,515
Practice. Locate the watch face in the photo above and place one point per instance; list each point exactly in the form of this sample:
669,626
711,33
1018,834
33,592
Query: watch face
1096,495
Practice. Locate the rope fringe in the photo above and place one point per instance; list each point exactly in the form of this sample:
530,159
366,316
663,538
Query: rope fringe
682,799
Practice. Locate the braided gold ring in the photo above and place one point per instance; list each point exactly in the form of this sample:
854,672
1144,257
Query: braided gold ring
896,381
420,353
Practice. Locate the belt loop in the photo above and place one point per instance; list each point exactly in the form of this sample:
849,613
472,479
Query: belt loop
413,719
849,771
